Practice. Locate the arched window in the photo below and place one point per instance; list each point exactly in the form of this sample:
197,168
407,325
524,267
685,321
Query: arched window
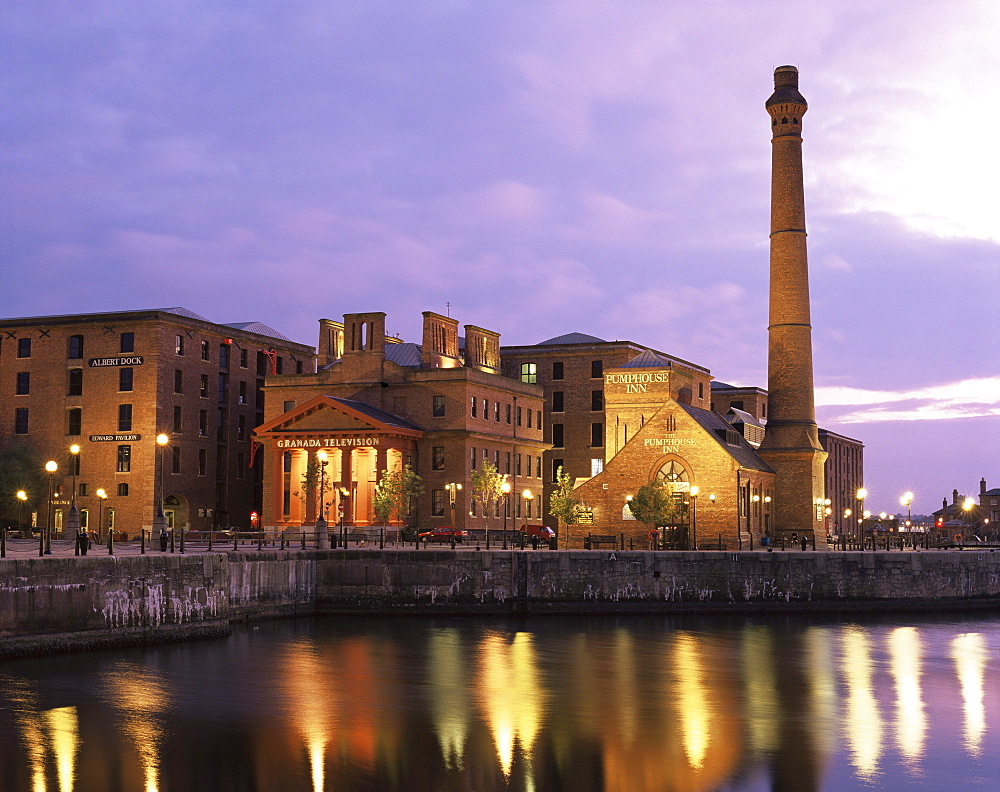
672,472
784,119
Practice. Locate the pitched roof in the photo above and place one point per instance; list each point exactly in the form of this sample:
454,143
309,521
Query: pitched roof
647,359
389,419
742,452
257,327
573,338
405,354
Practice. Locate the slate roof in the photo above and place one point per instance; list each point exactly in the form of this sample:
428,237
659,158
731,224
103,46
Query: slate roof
647,359
185,312
405,354
257,327
573,338
743,453
741,416
376,414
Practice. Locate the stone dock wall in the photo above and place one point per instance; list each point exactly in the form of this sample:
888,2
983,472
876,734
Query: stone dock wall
57,604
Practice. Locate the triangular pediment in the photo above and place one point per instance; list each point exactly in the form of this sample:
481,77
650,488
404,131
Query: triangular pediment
328,415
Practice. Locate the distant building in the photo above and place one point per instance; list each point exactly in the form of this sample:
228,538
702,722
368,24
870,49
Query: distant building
377,403
844,475
111,382
989,505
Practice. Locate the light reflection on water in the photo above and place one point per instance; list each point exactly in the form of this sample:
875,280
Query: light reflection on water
629,705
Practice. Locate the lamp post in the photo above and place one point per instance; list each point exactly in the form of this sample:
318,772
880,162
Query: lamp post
322,530
505,489
101,497
967,506
22,496
860,495
45,535
694,516
72,526
453,488
160,520
528,496
756,501
344,495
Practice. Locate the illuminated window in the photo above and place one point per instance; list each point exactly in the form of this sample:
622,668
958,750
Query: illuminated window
438,409
179,345
596,466
529,373
124,459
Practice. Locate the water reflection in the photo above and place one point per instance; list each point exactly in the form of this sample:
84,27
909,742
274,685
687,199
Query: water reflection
609,706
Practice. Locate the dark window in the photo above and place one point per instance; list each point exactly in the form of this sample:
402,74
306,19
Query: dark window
243,393
124,458
557,370
127,343
243,358
179,345
557,401
75,347
202,462
24,347
486,409
224,356
507,464
557,435
288,405
538,414
203,386
529,373
221,428
204,350
177,418
438,407
473,457
279,366
437,503
530,411
496,411
83,490
74,420
23,383
701,390
437,458
73,468
21,420
178,381
597,400
203,423
124,417
508,413
223,388
241,465
122,493
175,459
125,379
596,369
519,416
475,402
517,464
241,428
556,465
596,434
298,366
75,382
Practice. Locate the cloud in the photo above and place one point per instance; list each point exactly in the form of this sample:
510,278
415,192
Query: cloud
968,398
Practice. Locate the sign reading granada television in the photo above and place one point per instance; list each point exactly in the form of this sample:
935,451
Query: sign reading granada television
134,360
115,438
329,442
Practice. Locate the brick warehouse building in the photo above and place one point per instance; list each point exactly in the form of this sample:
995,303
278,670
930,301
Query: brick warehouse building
110,382
376,403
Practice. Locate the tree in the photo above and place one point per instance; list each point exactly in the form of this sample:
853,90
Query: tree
562,504
654,505
21,468
312,478
487,488
395,492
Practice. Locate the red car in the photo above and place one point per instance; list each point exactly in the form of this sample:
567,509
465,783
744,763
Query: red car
443,534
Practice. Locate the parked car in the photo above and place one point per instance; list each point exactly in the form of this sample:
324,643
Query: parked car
443,534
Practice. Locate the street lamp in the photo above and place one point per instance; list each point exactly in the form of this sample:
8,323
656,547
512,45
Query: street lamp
528,496
452,489
73,518
22,496
160,520
694,516
101,497
505,489
860,495
967,506
45,535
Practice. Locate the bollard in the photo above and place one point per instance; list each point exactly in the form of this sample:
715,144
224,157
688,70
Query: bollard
303,540
282,540
182,538
236,540
210,541
171,540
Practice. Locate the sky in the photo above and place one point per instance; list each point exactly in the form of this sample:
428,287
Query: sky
536,168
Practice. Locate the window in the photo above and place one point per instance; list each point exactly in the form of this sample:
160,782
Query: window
84,518
204,350
224,356
538,416
243,393
23,383
556,465
202,462
597,400
507,464
557,435
438,410
736,405
220,429
203,423
437,503
496,460
474,403
596,369
178,381
125,376
126,343
486,409
557,370
124,459
74,420
75,387
530,411
288,405
243,358
122,493
175,459
519,416
241,428
83,490
21,421
179,345
557,401
241,465
596,466
24,347
437,458
124,417
508,413
75,347
223,388
473,457
596,434
529,373
701,390
279,366
496,411
177,418
203,386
